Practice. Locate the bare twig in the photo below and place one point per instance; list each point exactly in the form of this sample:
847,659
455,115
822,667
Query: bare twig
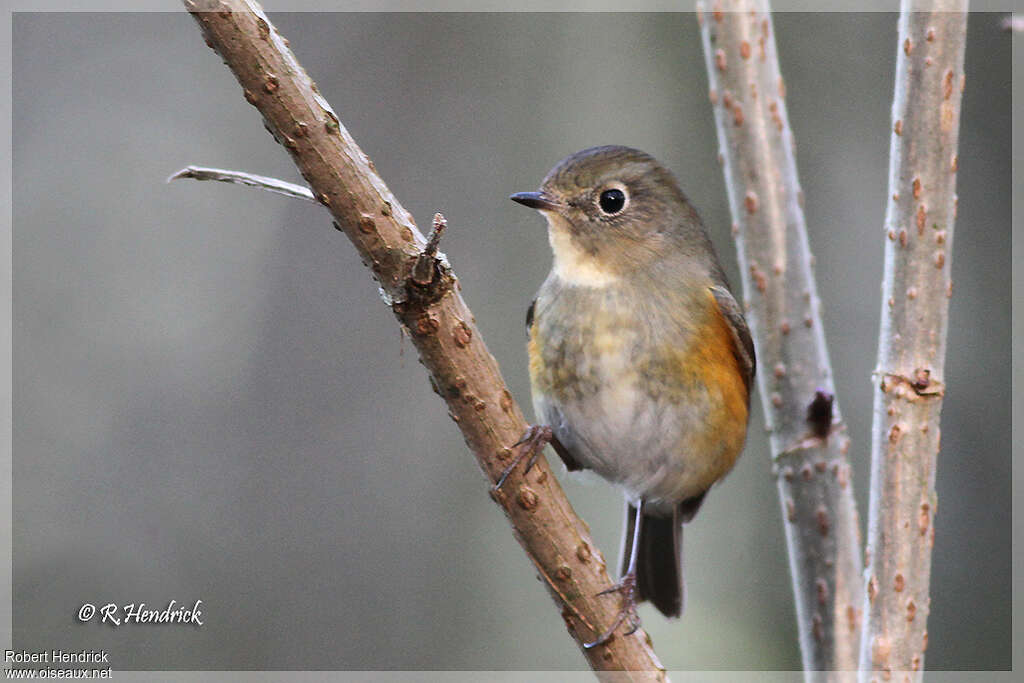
424,270
439,323
808,439
243,178
912,344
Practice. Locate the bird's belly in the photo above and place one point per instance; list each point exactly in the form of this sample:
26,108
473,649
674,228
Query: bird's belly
663,436
633,441
628,437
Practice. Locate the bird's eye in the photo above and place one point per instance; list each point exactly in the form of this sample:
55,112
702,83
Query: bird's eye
611,201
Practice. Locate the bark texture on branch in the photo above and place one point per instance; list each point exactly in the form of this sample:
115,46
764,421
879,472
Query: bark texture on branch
808,439
441,326
912,344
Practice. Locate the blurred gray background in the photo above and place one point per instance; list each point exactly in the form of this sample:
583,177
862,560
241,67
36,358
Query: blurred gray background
211,402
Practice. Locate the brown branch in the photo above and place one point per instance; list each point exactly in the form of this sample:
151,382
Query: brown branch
437,319
808,439
912,344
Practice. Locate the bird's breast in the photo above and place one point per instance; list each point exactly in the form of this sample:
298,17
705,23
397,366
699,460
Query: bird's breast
644,391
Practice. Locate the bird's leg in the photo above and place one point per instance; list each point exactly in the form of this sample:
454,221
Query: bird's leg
627,587
534,439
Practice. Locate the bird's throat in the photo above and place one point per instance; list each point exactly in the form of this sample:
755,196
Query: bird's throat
572,263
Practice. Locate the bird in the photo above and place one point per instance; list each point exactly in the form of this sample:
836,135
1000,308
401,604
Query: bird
641,362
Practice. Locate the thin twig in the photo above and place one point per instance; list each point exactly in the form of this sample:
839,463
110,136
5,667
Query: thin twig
916,287
808,439
423,272
243,178
440,324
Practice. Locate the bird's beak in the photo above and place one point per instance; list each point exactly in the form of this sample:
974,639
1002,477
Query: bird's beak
536,200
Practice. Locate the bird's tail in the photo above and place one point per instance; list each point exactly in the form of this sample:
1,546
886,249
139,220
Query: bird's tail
659,562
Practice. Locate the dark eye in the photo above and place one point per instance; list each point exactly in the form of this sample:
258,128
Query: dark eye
612,201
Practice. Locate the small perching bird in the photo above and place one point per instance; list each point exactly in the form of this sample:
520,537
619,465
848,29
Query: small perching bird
641,363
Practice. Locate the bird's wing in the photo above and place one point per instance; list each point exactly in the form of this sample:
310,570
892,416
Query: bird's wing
743,345
529,317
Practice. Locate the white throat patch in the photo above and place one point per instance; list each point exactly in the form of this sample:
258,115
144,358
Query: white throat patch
572,264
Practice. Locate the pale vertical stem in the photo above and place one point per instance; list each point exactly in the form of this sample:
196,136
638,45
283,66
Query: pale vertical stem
912,344
808,439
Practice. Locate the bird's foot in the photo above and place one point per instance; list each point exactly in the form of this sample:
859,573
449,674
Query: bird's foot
627,614
534,439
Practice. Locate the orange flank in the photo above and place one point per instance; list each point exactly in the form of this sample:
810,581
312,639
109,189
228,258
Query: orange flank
710,360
